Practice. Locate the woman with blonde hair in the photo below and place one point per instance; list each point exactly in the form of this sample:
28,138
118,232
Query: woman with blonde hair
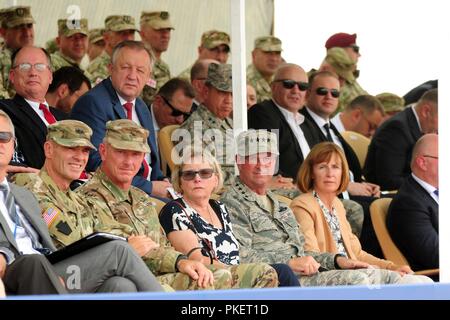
323,175
201,228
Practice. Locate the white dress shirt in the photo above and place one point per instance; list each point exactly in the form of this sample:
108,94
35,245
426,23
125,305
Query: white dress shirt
428,187
295,120
39,112
336,120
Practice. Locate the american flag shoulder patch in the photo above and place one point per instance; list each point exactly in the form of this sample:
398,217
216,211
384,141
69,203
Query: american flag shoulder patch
50,215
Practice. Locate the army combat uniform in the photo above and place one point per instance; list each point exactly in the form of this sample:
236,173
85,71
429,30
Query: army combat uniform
136,215
267,231
262,85
216,135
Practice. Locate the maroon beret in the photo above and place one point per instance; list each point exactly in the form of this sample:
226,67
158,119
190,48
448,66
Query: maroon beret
341,40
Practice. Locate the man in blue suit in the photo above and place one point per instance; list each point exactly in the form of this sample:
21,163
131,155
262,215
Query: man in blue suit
117,97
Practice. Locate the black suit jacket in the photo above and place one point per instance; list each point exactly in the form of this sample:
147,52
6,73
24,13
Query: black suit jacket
413,224
352,159
31,131
266,115
390,151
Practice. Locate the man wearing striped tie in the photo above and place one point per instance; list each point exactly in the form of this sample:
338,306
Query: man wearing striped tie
31,75
117,97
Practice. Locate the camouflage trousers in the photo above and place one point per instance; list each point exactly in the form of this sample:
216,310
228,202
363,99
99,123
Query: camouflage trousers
350,277
247,275
369,277
354,215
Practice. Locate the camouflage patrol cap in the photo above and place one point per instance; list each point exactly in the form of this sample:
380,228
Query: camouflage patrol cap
268,44
341,62
70,133
126,134
252,142
119,23
219,76
391,102
214,38
341,40
156,19
95,35
69,27
16,16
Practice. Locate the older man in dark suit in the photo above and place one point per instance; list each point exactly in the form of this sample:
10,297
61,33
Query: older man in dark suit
412,219
30,113
24,238
118,98
295,133
389,157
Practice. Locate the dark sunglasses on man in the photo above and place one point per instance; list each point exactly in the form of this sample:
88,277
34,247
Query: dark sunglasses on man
189,175
321,91
5,136
289,84
355,48
175,111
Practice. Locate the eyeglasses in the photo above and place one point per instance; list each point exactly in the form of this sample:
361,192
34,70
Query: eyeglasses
355,48
202,173
25,67
289,84
175,111
321,91
5,136
429,156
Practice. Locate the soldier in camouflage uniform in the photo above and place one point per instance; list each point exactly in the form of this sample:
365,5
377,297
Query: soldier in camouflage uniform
350,89
267,230
391,102
266,57
118,28
51,46
96,43
210,124
72,42
155,32
134,213
17,25
214,45
66,214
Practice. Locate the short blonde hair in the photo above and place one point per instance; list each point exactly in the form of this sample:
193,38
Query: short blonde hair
189,155
321,152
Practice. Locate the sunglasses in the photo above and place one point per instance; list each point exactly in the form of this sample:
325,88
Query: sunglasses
175,111
5,136
289,84
321,91
202,173
355,48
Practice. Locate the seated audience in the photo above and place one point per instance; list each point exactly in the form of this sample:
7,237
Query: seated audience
266,228
24,240
200,227
413,217
134,215
321,216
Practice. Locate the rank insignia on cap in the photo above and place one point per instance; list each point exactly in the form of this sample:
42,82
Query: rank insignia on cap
20,12
164,15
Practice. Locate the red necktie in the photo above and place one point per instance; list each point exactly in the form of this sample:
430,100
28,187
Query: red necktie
47,114
129,108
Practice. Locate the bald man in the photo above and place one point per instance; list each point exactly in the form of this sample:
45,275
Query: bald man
412,219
